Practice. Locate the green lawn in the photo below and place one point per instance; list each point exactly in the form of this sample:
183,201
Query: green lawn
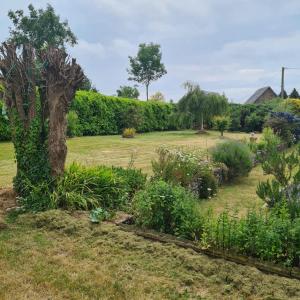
114,150
56,256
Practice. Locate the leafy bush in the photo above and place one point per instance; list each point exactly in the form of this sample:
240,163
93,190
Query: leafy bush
272,236
186,168
86,188
129,133
294,105
169,209
236,156
221,123
285,125
134,178
99,214
4,124
285,186
268,144
73,128
251,117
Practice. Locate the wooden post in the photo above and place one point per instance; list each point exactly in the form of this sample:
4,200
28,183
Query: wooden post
282,82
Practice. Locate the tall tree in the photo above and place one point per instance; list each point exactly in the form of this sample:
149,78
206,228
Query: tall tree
202,106
146,66
294,94
33,60
128,92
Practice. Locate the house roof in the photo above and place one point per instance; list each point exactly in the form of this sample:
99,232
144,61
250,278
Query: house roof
257,94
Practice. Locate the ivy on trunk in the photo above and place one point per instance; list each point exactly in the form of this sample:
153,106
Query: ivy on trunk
39,87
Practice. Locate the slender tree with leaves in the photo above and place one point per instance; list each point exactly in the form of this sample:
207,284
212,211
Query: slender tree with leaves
202,106
146,66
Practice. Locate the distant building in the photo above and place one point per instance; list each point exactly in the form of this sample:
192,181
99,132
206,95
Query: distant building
262,95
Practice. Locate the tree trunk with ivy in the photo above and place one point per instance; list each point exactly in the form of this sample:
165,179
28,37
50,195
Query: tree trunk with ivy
38,91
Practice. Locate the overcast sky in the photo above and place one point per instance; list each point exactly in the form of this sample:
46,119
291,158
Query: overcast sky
230,46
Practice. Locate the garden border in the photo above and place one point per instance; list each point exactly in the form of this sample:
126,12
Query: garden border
265,267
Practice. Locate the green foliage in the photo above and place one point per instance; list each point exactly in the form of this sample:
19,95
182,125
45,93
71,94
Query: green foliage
271,236
129,133
251,117
294,105
201,106
87,85
221,123
40,28
104,115
285,186
168,209
294,94
73,128
128,92
5,134
134,179
268,144
85,188
31,155
98,215
186,168
146,66
236,156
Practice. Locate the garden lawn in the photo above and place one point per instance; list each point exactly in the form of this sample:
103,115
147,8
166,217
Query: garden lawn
115,150
56,256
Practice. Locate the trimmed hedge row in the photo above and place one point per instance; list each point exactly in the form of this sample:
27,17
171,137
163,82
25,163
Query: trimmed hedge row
104,115
98,114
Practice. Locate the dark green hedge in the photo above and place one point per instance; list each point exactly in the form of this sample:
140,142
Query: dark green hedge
4,125
250,117
103,115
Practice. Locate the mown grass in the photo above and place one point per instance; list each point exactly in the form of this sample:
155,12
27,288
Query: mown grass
115,150
40,261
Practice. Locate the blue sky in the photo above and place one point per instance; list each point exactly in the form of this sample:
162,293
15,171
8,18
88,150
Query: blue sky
230,46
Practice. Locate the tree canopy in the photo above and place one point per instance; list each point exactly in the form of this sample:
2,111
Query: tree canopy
202,106
146,66
294,94
128,92
40,28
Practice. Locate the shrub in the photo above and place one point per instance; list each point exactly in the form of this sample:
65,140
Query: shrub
4,124
271,236
294,105
221,123
236,156
269,143
169,209
86,188
186,168
285,125
73,128
285,186
129,133
134,179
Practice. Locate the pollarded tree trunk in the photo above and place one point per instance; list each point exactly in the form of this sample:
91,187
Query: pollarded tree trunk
38,123
62,78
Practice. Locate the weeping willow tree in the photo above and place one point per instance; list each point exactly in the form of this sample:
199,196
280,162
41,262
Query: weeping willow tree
40,81
201,106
